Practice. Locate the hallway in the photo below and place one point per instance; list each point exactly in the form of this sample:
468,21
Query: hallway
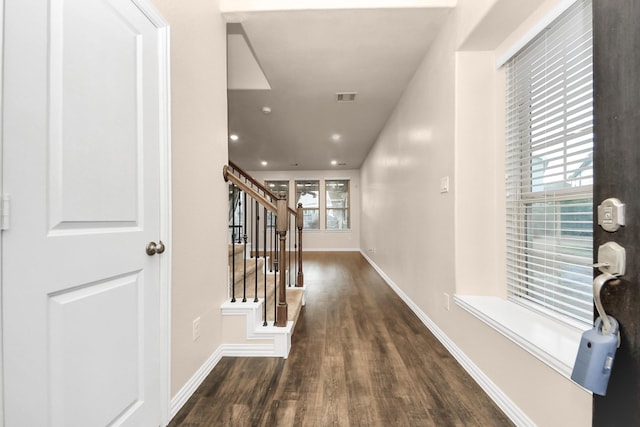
359,357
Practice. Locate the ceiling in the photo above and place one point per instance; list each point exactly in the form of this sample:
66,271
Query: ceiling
307,57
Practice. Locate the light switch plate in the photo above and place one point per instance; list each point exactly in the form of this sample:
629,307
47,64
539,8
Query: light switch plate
444,184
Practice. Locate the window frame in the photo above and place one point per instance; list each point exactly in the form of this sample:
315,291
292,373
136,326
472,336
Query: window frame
346,209
306,209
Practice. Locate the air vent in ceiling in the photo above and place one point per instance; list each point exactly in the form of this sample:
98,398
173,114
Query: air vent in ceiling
346,96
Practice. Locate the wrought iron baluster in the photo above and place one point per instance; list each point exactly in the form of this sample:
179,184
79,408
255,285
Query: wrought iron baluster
244,250
233,247
256,249
264,253
300,226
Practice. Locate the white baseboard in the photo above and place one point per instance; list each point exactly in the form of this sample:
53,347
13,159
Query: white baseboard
330,250
503,401
178,401
281,336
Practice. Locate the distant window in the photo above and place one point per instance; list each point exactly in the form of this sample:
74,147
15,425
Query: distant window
549,126
337,204
308,193
277,187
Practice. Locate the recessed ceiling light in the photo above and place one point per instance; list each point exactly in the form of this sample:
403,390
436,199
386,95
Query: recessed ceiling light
233,137
336,137
334,162
266,110
263,163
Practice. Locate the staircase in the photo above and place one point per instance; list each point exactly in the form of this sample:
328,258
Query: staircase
249,322
263,305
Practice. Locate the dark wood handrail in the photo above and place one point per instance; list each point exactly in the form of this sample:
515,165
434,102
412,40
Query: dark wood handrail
252,180
229,176
259,185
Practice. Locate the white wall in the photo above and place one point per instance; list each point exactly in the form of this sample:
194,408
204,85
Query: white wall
449,123
323,240
199,150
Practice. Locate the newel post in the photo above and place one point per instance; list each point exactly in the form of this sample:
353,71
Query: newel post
282,223
300,225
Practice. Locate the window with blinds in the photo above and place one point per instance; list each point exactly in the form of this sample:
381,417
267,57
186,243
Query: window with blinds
549,133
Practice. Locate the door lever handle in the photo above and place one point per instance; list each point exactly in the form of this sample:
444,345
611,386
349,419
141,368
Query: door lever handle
598,283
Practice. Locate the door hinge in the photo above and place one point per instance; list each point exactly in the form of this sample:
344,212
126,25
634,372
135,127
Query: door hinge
5,211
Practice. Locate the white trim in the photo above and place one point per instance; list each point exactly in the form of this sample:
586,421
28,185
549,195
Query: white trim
547,19
330,250
194,382
235,10
165,222
549,340
336,178
493,391
164,78
1,193
249,350
152,14
281,336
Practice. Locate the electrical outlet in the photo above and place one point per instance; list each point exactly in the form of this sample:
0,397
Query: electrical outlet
196,328
446,301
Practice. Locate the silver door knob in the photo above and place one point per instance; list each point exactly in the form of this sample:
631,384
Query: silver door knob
155,248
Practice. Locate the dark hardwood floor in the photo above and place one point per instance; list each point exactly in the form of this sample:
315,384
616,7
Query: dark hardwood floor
359,357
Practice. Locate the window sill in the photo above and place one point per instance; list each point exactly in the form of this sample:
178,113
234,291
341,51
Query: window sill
552,342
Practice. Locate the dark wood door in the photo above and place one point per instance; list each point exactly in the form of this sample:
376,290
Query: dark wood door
617,174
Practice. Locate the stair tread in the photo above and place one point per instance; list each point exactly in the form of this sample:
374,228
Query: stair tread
251,267
294,303
238,247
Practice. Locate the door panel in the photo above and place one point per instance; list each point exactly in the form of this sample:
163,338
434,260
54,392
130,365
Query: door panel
83,119
90,329
617,174
81,160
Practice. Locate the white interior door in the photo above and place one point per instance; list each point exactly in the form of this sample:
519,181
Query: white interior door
82,151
